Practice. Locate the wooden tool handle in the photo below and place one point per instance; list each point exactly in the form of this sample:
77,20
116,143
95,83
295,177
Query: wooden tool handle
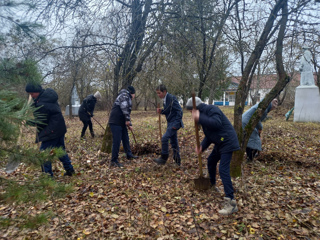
197,134
160,135
134,137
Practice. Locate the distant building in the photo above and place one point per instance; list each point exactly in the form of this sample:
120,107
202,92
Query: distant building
259,88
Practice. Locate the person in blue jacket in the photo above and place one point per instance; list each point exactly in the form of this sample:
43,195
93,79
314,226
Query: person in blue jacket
119,121
219,131
254,144
86,112
173,112
52,127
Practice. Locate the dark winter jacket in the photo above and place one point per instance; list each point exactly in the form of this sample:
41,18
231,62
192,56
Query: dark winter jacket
49,113
254,140
217,129
87,107
121,109
173,112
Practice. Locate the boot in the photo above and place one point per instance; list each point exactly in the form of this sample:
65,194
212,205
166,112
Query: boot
177,159
69,173
116,163
92,134
230,206
130,157
162,160
82,136
214,189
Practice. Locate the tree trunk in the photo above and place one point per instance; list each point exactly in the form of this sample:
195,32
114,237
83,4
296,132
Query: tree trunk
124,70
244,134
235,165
107,140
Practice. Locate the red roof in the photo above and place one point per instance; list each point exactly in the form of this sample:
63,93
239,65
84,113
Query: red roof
268,81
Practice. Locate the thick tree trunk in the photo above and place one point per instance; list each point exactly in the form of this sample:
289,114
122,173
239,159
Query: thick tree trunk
107,140
124,70
235,166
242,92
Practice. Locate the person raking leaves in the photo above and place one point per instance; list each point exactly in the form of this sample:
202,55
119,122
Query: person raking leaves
86,112
119,121
173,112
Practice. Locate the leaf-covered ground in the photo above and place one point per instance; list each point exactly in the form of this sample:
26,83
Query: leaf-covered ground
278,195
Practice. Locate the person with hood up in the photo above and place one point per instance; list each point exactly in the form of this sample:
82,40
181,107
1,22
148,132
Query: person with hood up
254,144
119,121
52,128
86,112
219,131
173,112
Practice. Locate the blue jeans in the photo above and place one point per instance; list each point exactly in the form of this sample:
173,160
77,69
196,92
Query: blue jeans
56,143
224,170
119,133
170,134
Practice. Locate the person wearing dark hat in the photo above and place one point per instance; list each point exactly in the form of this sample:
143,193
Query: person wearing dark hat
173,112
52,128
219,131
86,112
119,121
254,144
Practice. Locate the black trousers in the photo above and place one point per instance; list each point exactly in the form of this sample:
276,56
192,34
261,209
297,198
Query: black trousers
251,153
85,126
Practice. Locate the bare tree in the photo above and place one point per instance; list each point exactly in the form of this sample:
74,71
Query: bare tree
279,10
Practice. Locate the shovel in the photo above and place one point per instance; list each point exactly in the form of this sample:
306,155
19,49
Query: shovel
200,183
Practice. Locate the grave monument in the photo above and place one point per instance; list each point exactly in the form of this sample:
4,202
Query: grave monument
75,100
307,98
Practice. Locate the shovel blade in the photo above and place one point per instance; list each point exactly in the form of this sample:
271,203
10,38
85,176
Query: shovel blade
202,183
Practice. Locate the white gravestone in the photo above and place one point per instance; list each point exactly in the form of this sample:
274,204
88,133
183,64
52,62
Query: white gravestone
307,98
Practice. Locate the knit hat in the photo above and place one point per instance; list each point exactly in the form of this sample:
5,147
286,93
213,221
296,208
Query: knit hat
97,95
131,90
274,103
189,104
33,88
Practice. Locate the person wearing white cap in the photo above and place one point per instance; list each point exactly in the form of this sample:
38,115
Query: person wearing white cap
219,131
86,112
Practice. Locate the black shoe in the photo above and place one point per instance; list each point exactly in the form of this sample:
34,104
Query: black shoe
162,160
92,134
69,173
116,164
249,161
177,160
132,157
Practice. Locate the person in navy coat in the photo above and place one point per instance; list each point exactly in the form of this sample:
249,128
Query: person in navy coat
173,112
219,131
52,128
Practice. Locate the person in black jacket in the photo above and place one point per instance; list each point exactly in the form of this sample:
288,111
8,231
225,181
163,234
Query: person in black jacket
86,112
219,131
51,130
173,112
119,121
